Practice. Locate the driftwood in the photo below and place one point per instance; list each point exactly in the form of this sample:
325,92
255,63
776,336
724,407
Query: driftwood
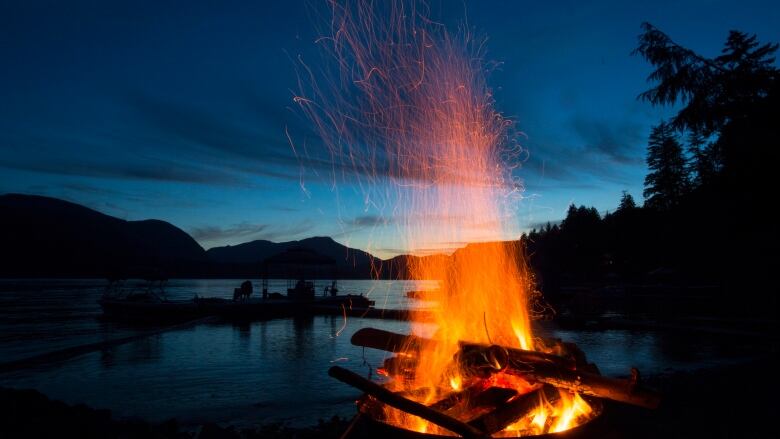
482,360
406,405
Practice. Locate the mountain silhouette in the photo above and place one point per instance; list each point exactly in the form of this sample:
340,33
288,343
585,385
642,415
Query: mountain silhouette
249,256
48,237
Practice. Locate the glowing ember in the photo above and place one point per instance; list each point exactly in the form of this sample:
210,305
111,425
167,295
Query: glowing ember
407,108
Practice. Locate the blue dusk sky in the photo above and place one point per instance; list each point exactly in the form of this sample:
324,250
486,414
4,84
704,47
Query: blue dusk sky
178,110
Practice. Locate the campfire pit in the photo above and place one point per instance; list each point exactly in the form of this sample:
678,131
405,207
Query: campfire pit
406,105
371,413
503,392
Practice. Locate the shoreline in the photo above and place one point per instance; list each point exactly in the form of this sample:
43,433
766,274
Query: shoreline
725,401
28,413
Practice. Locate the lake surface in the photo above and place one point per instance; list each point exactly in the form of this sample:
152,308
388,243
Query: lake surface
269,371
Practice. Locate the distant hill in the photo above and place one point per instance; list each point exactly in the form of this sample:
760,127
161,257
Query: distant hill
248,257
398,267
48,237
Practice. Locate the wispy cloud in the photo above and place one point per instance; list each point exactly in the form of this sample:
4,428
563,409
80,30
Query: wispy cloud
63,156
371,220
619,141
214,235
236,231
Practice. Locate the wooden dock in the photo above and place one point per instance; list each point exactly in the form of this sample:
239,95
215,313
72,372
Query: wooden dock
249,309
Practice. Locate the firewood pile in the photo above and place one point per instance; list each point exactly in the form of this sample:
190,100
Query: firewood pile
483,407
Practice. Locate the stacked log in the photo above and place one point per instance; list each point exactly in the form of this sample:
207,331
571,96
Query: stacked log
496,407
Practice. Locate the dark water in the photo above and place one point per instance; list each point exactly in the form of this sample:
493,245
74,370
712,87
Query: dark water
257,372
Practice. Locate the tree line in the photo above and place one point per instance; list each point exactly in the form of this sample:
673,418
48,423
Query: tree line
708,215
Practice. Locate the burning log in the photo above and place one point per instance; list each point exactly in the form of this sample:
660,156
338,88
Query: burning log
517,355
389,341
452,400
411,344
399,366
478,359
492,397
507,414
406,405
474,397
482,360
620,390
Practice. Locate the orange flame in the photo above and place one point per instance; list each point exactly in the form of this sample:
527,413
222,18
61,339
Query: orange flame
406,111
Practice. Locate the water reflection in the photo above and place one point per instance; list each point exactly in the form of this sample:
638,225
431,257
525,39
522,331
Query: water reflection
302,330
244,331
145,350
274,370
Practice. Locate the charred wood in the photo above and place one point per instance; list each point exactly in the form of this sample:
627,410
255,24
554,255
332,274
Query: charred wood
406,405
389,341
482,360
474,397
507,414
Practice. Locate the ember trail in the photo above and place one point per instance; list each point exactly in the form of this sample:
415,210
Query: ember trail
406,105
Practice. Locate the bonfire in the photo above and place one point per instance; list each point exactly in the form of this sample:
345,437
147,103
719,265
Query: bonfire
406,110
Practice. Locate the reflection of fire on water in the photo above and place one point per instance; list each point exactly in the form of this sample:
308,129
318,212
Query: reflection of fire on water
406,109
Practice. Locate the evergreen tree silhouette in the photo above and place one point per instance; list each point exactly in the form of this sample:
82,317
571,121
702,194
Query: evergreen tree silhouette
731,96
667,181
711,90
705,160
627,203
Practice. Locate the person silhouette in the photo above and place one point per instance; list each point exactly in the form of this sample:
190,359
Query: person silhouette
246,289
